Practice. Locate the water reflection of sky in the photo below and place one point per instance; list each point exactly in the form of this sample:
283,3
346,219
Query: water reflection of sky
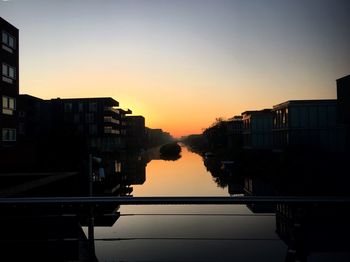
187,233
185,177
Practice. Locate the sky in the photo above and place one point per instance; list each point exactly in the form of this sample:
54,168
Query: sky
182,64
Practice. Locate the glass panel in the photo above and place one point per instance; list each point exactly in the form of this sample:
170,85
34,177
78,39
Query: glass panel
81,107
12,135
93,107
68,107
4,37
4,134
12,103
11,42
4,69
12,73
4,102
117,166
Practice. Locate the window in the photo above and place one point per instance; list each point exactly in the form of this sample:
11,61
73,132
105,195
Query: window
21,128
8,41
89,117
93,129
117,166
81,107
21,114
8,134
108,129
68,107
4,37
109,119
93,107
8,105
76,118
4,69
8,71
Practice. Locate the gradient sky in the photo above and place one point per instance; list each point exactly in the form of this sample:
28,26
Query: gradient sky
182,63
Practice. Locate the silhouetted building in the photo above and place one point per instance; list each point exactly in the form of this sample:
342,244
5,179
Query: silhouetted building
343,99
313,232
97,120
9,87
306,123
234,132
255,186
257,129
136,132
31,119
123,121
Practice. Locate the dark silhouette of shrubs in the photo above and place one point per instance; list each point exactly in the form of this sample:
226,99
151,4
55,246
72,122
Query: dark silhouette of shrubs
170,151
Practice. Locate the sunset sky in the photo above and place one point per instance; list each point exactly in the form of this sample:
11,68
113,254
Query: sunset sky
182,63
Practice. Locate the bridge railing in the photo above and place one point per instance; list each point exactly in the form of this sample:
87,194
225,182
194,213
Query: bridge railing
178,200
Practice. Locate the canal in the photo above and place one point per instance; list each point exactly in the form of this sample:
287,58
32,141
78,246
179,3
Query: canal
188,232
288,231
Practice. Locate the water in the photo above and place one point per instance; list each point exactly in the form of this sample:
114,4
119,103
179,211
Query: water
286,232
187,233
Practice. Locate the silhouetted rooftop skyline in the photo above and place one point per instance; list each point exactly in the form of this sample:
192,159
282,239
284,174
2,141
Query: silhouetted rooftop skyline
216,58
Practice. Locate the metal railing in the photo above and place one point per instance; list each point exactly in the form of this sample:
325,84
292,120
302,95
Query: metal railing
126,200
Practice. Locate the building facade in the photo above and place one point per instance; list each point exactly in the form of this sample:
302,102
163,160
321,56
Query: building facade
306,123
97,120
136,131
257,129
343,99
9,84
234,132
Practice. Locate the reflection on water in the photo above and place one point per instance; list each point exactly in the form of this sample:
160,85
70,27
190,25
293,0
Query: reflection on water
177,233
187,233
218,233
184,177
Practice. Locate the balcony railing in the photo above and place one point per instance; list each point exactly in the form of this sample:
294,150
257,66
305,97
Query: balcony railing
112,109
109,119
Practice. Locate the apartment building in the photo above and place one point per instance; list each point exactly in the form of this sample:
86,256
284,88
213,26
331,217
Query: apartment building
306,123
257,129
136,132
343,98
97,120
234,132
9,84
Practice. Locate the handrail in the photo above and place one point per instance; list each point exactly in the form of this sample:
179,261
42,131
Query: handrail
183,200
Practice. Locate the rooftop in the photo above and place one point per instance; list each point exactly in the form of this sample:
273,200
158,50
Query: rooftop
256,112
344,78
3,21
107,100
306,102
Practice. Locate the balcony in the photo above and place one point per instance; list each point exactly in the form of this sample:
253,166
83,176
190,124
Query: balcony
109,119
110,130
112,109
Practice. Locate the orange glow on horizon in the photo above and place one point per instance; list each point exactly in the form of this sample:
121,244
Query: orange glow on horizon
179,66
180,99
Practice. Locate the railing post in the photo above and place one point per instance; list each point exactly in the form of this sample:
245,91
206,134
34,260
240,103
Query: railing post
91,234
90,175
91,223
